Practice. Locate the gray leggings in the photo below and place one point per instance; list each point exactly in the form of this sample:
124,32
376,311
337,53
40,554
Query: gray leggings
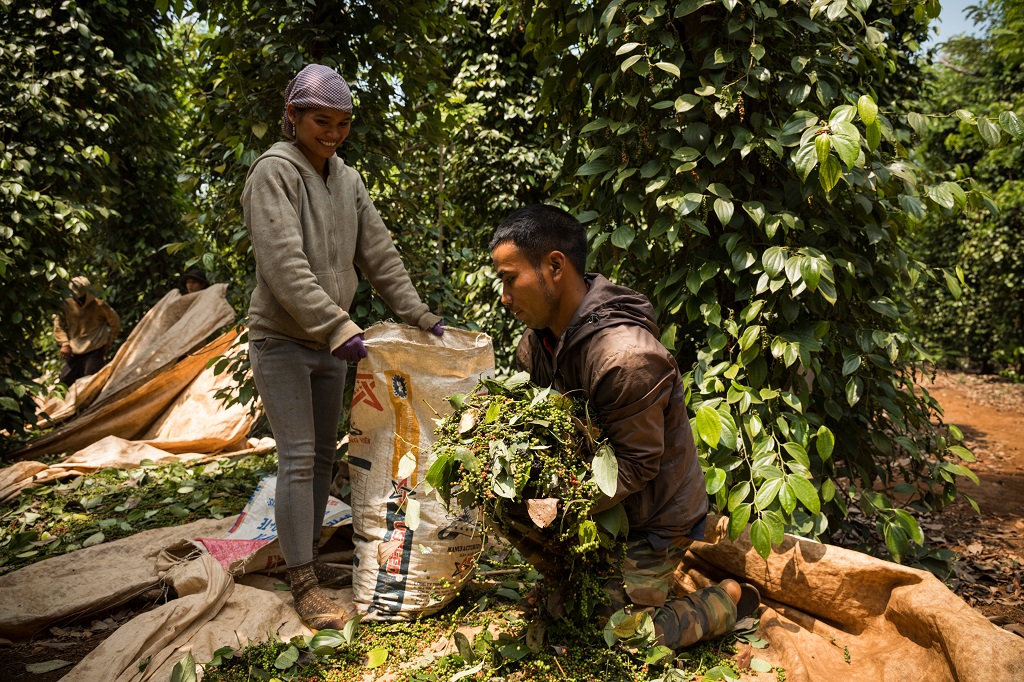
302,391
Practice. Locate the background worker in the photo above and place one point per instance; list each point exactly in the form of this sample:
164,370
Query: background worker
84,330
194,280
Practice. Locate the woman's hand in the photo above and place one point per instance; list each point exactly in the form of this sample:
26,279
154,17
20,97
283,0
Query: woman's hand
352,350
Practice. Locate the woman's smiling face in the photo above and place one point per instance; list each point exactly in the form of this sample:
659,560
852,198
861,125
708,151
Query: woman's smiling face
318,132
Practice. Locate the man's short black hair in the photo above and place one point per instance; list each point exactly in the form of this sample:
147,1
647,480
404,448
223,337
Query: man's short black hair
539,229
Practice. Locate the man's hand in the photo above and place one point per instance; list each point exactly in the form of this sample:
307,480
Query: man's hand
65,351
352,350
437,329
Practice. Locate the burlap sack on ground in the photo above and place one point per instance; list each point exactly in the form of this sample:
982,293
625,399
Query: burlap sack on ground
195,425
211,611
896,623
89,580
825,603
130,415
402,386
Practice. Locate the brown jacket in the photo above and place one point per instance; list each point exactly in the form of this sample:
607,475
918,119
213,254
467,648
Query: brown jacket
87,326
611,353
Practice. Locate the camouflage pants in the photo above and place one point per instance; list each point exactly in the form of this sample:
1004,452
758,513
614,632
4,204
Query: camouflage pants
648,576
647,581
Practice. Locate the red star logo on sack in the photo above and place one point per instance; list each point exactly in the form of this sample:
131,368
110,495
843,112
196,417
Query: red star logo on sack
363,393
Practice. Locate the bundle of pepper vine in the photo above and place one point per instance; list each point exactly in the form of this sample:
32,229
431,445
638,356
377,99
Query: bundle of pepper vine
533,459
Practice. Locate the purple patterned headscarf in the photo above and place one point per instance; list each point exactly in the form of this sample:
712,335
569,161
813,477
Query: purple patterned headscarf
315,87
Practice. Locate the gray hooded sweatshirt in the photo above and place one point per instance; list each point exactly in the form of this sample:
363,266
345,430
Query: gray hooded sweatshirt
308,237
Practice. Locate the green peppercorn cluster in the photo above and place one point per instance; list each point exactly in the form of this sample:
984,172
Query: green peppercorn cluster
523,455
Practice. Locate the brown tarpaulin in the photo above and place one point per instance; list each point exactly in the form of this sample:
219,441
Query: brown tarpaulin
821,602
174,327
825,603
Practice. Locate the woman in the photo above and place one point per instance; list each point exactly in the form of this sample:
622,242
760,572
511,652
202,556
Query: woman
312,223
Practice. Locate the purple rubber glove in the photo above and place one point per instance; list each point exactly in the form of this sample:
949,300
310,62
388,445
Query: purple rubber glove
437,329
352,350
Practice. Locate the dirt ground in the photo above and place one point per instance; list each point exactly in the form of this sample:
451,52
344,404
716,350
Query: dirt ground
990,546
990,412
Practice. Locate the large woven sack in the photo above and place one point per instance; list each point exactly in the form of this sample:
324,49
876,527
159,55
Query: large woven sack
401,388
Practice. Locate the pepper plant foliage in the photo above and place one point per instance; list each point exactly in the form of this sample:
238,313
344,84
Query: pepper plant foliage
979,322
86,178
745,164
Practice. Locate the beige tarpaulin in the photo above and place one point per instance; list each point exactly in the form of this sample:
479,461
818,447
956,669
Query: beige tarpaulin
825,604
174,327
89,580
175,416
896,623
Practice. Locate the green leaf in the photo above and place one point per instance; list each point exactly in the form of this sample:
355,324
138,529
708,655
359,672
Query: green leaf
623,236
465,648
885,306
805,159
896,541
758,664
668,67
767,493
773,260
184,670
854,390
965,116
990,132
918,122
738,520
805,492
846,141
797,452
830,173
606,470
709,425
628,47
351,628
810,272
714,480
873,134
738,494
754,209
913,206
909,525
630,61
594,167
376,657
287,658
326,639
825,442
822,145
867,109
724,210
761,538
750,335
962,452
953,285
1011,124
